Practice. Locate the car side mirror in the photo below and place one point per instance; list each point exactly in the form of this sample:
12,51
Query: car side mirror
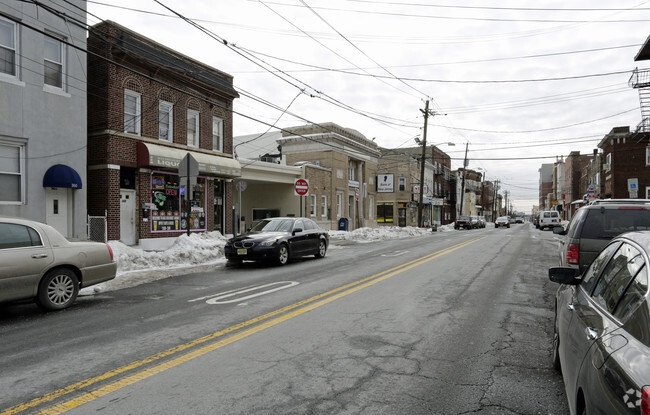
564,275
297,230
559,230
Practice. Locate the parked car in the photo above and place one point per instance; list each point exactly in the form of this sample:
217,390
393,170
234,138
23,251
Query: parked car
482,222
475,222
278,240
601,341
38,263
463,222
593,226
502,221
519,219
549,219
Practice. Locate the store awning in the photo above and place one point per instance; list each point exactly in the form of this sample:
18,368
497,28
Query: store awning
61,175
153,155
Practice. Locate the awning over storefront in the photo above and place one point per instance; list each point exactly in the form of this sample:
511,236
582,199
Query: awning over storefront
153,155
61,175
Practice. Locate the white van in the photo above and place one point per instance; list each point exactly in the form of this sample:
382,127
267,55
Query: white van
549,219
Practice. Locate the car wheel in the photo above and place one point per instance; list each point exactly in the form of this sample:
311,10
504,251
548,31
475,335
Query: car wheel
58,289
508,226
283,254
322,248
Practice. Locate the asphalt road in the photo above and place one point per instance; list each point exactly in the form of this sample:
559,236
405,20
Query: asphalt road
449,323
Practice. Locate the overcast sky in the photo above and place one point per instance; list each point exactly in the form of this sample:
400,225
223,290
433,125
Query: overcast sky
521,82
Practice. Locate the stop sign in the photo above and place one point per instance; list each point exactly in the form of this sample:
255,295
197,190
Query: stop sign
301,187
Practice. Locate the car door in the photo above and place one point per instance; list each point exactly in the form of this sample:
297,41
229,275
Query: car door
576,313
299,238
23,257
312,231
619,360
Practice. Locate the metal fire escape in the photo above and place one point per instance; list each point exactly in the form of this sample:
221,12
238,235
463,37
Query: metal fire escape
641,80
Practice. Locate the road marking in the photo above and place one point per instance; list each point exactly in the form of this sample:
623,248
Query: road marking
219,298
298,308
396,253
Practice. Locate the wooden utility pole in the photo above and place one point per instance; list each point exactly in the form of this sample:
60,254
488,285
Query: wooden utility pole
422,160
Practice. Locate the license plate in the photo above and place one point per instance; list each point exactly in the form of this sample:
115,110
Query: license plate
242,251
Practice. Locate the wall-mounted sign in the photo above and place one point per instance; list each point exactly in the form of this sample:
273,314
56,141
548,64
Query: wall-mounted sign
385,183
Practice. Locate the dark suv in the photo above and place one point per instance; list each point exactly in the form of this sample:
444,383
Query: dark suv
593,226
463,222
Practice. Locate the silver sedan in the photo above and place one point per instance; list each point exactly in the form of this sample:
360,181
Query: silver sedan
38,263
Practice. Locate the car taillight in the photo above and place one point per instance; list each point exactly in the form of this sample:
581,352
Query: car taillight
110,251
631,208
573,254
645,401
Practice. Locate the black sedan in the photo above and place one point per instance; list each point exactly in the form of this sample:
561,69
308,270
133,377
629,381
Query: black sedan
278,240
601,341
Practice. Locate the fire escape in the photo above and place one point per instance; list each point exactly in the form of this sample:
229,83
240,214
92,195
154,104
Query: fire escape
641,80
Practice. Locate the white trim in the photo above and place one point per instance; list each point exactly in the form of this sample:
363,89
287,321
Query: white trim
15,48
219,146
21,173
61,63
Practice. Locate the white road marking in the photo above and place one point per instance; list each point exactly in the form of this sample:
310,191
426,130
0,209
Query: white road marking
396,253
243,294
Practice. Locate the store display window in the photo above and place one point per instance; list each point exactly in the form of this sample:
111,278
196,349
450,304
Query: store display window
173,213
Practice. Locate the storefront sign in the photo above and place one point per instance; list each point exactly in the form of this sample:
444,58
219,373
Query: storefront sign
385,183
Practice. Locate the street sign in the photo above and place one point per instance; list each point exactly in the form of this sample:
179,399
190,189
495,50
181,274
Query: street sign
301,187
188,167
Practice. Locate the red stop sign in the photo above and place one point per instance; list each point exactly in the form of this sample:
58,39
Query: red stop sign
301,187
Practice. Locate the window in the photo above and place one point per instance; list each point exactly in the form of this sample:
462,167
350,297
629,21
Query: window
54,58
166,121
168,194
351,172
634,295
402,184
647,192
371,207
591,275
608,162
323,206
132,114
192,128
339,205
385,212
620,271
647,156
18,236
217,134
312,205
12,170
8,47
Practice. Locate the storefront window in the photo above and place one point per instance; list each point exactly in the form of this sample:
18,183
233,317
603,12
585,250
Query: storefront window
173,212
385,212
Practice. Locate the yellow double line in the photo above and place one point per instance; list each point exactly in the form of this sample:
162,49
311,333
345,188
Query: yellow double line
267,320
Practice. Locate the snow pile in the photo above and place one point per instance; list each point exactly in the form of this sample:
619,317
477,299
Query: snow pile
379,234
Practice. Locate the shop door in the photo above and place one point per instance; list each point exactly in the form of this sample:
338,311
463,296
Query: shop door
57,211
401,217
127,216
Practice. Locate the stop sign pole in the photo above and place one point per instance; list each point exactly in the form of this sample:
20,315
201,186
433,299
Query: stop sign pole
301,188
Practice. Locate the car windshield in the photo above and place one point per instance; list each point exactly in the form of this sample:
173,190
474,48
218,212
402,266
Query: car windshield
502,219
273,225
463,218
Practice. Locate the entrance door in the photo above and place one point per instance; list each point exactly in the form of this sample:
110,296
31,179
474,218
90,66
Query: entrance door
127,216
57,210
401,217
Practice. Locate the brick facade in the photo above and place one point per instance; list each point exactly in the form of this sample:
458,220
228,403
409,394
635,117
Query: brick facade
123,60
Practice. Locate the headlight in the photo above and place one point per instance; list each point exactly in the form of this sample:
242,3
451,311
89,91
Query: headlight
268,242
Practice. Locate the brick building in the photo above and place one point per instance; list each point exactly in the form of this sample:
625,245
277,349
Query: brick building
148,107
626,164
574,166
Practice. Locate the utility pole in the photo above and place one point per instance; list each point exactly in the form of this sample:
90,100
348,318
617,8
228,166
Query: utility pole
462,187
426,113
495,213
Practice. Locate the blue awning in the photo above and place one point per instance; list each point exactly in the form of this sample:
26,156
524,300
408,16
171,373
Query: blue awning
61,175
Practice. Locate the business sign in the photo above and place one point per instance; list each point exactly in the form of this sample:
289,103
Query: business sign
386,183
